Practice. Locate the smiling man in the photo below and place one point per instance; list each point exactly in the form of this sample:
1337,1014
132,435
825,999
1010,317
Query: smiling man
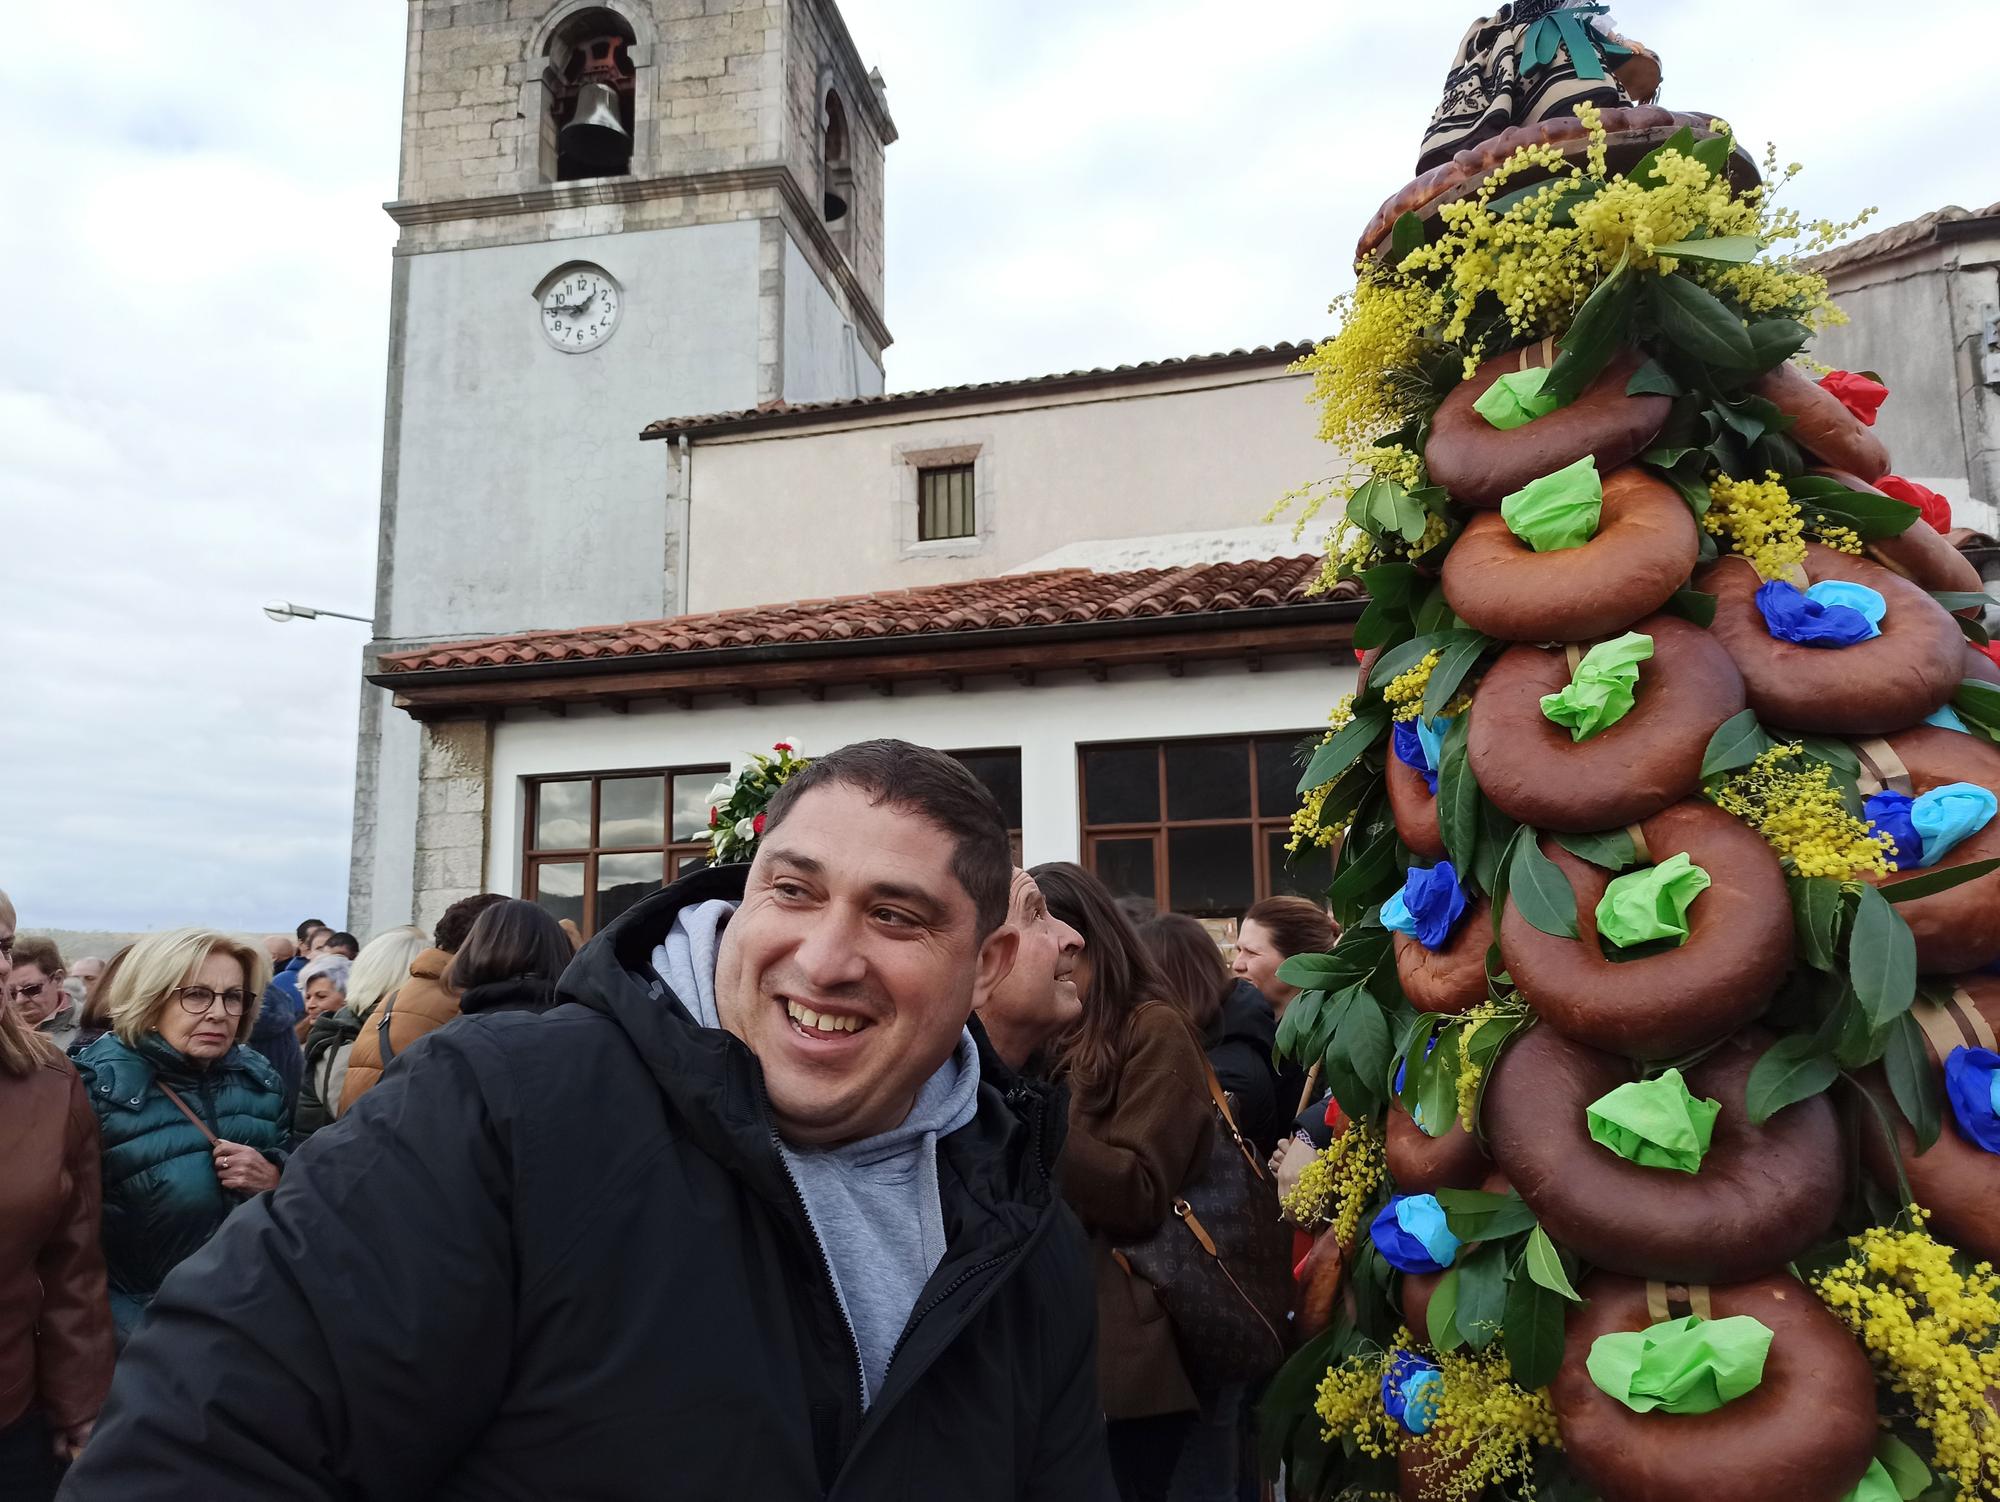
742,1219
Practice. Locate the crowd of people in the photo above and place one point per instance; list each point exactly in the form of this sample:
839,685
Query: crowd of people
804,1178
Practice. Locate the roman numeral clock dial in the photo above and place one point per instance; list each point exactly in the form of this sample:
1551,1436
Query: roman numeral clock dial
580,308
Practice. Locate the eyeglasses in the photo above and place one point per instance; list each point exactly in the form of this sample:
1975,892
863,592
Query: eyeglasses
30,992
196,1000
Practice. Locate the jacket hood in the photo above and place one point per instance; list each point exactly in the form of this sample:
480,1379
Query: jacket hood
521,993
716,1087
430,964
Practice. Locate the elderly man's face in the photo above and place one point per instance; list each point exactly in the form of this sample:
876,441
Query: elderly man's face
852,965
87,970
34,993
316,942
1039,997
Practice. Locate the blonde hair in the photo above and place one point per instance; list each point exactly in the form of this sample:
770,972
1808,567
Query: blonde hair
151,969
382,966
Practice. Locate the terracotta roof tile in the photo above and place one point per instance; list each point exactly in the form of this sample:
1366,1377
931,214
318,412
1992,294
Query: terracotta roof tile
1883,242
781,413
1057,597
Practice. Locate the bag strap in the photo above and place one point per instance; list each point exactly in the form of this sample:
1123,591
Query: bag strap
182,1106
1215,1091
382,1029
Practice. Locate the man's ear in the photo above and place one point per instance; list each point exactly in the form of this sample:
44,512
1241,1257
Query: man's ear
996,963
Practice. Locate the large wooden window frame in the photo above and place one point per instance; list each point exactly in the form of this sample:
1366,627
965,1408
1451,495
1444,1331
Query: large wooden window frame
675,855
1014,830
1262,822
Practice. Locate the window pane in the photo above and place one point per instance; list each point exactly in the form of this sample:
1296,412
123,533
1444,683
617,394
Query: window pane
944,503
632,811
1121,785
1125,866
559,888
1278,771
562,817
1208,780
687,865
1308,874
691,801
1211,870
622,880
999,772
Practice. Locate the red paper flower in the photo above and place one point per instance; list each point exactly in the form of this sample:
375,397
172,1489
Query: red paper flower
1856,393
1936,509
1991,649
782,746
757,824
714,816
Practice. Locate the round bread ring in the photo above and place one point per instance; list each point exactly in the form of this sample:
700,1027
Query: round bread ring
1482,465
1959,928
1824,428
1806,1433
1957,1181
1322,1279
1422,1164
1739,945
1645,547
1870,688
1920,554
1452,979
1535,774
1415,808
1630,133
1763,1195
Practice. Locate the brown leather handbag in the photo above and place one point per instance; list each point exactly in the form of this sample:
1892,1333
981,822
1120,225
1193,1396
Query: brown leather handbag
1221,1261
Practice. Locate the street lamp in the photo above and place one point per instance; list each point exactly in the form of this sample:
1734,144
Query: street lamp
283,610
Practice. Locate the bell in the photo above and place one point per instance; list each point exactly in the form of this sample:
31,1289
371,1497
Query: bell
595,136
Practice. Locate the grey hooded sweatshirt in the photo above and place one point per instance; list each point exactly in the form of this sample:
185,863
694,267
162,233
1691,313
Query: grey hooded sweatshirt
873,1204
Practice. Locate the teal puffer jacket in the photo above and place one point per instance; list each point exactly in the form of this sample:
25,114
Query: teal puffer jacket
161,1198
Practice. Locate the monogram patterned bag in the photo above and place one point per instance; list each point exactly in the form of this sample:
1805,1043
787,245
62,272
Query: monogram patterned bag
1221,1261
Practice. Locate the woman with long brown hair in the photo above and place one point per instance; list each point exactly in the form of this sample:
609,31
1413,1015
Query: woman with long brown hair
1139,1123
1236,1023
56,1343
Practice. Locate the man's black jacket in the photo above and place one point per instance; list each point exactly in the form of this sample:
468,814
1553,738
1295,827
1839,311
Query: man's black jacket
560,1256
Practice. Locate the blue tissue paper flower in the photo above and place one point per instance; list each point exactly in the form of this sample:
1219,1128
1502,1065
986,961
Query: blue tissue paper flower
1410,1391
1889,813
1428,907
1946,718
1972,1083
1947,816
1402,1073
1411,1234
1409,747
1799,617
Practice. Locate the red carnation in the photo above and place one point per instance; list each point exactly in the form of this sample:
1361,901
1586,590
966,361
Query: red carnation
782,746
1936,509
714,816
1856,393
757,825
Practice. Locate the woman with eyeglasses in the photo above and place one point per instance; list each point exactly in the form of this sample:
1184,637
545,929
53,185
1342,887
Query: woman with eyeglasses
192,1121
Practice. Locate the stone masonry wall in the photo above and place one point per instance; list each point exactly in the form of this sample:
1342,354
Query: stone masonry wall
813,52
454,765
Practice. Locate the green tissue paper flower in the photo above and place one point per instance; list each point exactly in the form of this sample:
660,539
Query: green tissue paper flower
1515,400
1875,1485
1559,510
1654,1123
1691,1365
1650,904
1599,693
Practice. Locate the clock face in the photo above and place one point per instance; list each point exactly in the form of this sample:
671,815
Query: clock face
580,309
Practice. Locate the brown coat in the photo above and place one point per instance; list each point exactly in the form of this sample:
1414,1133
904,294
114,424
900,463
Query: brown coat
1121,1169
422,1004
56,1342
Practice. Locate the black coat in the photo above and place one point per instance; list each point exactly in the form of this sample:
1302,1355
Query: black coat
523,993
1239,1050
560,1256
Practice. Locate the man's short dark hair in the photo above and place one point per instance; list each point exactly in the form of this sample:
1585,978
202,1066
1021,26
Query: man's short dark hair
305,929
345,943
933,786
458,920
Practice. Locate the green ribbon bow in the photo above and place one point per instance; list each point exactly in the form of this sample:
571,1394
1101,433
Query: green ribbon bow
1691,1365
1559,510
1567,31
1600,692
1515,400
1650,904
1655,1123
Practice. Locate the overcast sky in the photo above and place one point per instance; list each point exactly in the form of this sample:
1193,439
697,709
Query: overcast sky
196,274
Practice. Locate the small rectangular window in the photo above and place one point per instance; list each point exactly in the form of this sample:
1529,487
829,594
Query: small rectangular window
944,503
